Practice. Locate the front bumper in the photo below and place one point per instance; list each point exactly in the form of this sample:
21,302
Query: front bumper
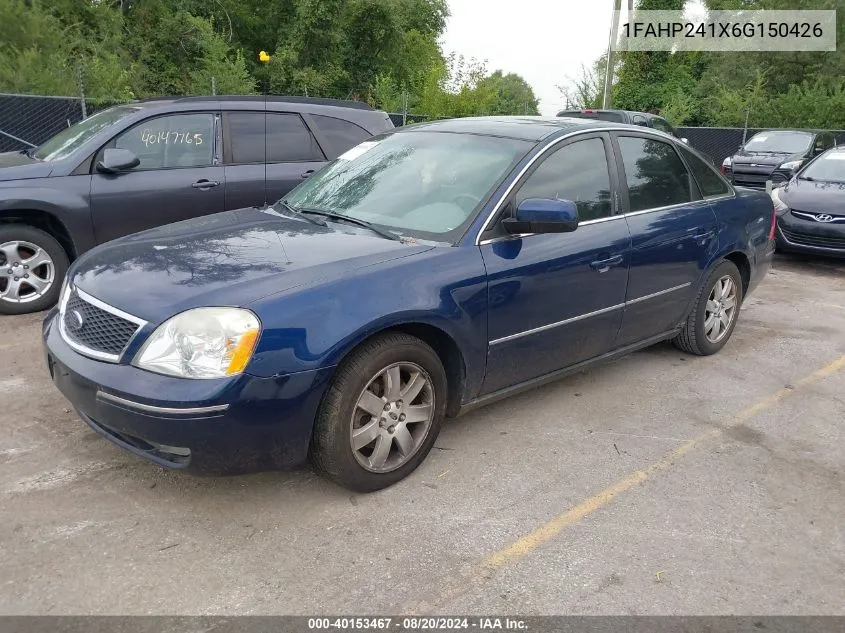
227,426
806,236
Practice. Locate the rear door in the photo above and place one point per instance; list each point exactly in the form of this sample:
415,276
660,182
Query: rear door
673,234
293,154
180,175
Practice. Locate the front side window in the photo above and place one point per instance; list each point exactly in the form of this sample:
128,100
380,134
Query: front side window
429,185
171,142
654,172
290,141
576,172
709,182
341,134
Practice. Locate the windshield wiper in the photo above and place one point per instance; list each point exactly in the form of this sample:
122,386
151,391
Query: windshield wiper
362,223
809,178
296,212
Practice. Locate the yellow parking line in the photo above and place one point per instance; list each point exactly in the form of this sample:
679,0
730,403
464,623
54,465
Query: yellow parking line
531,541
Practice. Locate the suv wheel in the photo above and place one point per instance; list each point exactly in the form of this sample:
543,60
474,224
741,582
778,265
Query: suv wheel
32,268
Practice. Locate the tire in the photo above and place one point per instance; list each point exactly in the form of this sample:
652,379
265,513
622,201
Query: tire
368,369
694,338
20,243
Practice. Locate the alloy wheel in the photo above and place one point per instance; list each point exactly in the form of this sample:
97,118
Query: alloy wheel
721,309
27,272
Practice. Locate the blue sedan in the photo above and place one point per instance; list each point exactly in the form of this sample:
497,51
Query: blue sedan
422,274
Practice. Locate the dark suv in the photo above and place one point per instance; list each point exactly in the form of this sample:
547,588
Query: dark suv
148,163
774,155
643,119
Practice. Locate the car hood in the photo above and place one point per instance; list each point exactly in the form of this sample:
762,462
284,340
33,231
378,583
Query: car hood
769,159
18,166
814,196
226,259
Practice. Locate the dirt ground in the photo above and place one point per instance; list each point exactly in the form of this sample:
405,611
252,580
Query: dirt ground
657,484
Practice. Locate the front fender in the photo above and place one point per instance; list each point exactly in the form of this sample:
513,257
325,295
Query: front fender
317,326
68,206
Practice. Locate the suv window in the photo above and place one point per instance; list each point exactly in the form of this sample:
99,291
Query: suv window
166,142
289,141
663,125
246,137
342,135
655,174
576,172
709,182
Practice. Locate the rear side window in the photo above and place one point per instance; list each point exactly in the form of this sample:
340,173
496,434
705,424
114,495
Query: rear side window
654,172
342,135
289,141
709,182
661,124
246,137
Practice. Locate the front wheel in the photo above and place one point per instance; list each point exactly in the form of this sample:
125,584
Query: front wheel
381,414
713,317
32,267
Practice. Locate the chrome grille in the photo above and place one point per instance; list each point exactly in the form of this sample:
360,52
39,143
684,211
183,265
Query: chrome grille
94,328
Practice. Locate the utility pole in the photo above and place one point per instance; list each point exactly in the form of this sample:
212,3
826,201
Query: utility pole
614,33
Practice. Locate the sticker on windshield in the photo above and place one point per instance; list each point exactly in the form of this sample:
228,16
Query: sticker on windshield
358,150
836,156
761,137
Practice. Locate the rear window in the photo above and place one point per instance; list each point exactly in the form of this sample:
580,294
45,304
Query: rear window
599,115
289,141
709,182
342,135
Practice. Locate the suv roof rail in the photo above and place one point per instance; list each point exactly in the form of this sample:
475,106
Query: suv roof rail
340,103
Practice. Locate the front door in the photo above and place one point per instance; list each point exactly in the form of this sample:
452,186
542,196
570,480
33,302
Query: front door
555,300
673,235
179,177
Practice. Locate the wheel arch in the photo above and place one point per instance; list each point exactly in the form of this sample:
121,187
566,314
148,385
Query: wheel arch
44,221
443,344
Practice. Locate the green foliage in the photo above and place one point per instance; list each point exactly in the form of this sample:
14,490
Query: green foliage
383,51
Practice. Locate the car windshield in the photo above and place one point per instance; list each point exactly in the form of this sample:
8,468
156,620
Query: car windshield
67,141
428,185
780,142
828,167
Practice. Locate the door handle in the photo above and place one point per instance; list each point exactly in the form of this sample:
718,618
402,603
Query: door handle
306,174
603,265
205,184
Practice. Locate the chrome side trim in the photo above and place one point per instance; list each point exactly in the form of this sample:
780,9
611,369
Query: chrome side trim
107,397
87,351
581,317
657,294
550,326
644,132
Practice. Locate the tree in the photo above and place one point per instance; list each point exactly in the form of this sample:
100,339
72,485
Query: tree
508,94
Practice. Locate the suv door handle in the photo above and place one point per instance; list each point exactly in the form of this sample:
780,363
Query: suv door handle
205,184
306,174
603,265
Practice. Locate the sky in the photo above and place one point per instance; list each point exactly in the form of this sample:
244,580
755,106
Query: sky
545,41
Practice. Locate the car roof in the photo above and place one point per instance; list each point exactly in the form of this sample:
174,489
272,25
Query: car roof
525,128
563,113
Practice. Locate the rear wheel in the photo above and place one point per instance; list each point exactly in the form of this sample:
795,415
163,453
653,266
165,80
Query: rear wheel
381,414
713,317
32,267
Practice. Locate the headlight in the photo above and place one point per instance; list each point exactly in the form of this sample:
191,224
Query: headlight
726,162
791,165
201,343
780,206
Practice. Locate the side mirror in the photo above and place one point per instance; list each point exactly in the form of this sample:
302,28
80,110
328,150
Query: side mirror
117,160
543,215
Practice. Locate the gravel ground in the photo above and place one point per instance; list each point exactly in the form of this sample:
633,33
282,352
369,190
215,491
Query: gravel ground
657,484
